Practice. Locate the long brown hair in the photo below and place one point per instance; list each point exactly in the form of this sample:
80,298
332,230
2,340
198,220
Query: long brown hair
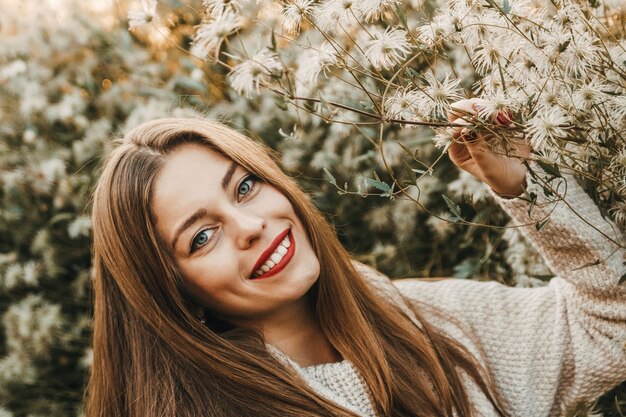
152,357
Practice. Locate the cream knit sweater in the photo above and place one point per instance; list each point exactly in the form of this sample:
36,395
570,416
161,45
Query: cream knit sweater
547,348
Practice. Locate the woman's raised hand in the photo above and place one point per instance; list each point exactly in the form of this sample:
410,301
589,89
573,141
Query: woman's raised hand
470,151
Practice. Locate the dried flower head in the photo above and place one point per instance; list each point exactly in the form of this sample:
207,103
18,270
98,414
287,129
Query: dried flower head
246,77
372,9
210,35
387,48
334,15
142,13
545,126
294,13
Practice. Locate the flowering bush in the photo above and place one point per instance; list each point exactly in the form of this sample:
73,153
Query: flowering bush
554,72
73,77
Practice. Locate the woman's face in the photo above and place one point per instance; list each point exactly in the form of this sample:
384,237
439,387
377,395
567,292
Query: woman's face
225,227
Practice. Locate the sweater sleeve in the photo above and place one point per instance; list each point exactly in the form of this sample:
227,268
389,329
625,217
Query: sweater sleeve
552,348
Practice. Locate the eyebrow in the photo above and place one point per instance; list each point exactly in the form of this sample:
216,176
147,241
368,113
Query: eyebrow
202,212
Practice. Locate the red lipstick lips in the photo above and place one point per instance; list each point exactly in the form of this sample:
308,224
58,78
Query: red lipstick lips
269,251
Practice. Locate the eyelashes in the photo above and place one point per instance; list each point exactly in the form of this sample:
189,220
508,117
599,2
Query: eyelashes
204,236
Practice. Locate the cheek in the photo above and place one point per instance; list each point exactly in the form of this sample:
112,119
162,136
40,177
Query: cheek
207,281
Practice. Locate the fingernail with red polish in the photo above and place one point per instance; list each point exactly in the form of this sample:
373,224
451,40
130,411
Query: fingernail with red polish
504,118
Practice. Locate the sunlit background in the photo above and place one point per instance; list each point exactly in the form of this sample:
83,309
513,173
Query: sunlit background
73,77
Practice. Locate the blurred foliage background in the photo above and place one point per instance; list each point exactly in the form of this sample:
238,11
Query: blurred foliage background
72,78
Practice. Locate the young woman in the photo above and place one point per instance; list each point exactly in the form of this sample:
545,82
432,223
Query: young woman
221,291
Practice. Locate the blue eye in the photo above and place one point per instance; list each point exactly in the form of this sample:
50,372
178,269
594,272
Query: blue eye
201,239
246,185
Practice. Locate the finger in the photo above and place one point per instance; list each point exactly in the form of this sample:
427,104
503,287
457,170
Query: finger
476,147
461,109
466,108
458,154
521,148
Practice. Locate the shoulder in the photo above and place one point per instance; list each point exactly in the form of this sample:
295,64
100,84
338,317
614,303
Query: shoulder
380,282
384,287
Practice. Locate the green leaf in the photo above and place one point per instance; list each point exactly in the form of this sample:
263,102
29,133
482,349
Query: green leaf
405,149
410,171
454,208
588,264
551,169
273,40
281,104
379,185
622,279
540,225
533,201
563,46
330,176
467,268
422,171
506,7
401,15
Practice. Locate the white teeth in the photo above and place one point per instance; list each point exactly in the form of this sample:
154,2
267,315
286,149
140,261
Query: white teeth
275,258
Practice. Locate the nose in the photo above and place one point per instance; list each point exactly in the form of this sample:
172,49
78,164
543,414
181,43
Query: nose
247,228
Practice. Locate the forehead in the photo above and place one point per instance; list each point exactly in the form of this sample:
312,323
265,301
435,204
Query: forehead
190,177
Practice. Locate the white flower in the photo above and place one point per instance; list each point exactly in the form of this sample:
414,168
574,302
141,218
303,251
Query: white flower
618,107
477,27
210,35
294,13
213,7
71,106
581,54
442,226
141,14
443,137
246,77
87,360
439,93
435,31
387,48
13,69
547,125
468,186
12,276
492,104
372,9
33,99
52,169
587,95
404,216
379,218
31,325
618,212
313,62
489,56
30,273
334,15
16,367
405,104
17,274
5,413
81,226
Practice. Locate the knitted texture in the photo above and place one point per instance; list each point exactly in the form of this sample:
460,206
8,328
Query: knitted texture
547,349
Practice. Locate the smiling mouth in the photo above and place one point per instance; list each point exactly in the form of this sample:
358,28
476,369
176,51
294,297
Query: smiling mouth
276,257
